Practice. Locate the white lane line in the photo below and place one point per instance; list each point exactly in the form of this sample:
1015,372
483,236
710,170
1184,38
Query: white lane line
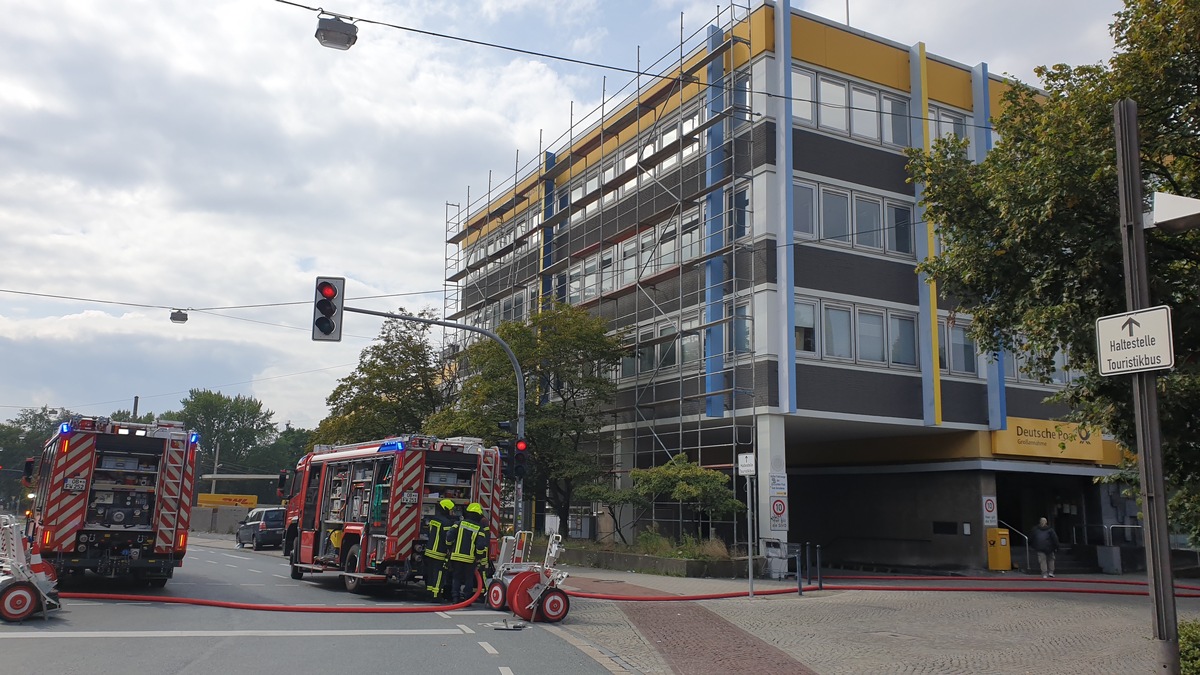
466,629
233,566
489,649
505,670
251,584
279,576
464,612
353,604
239,557
281,585
212,562
444,615
158,634
255,571
183,583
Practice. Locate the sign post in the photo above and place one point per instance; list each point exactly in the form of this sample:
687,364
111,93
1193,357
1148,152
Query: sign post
746,468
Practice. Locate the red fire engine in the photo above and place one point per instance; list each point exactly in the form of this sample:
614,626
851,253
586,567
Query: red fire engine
114,498
360,509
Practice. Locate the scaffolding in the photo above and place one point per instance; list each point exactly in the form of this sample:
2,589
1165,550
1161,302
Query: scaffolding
643,214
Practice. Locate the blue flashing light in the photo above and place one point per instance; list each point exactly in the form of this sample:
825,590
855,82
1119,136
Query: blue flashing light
64,428
391,446
194,438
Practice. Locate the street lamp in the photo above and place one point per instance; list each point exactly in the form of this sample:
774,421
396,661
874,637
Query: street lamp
178,316
334,33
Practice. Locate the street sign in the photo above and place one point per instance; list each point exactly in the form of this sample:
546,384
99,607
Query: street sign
1133,342
778,496
990,519
746,464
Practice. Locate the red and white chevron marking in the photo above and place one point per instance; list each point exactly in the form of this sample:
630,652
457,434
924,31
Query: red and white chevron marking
170,476
65,511
404,520
186,488
489,479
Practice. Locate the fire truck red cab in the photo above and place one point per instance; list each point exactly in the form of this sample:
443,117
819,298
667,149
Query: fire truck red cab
114,498
359,509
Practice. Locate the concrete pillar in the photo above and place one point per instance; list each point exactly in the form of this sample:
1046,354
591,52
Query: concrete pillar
771,458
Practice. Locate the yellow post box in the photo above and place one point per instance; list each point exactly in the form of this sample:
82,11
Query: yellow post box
998,550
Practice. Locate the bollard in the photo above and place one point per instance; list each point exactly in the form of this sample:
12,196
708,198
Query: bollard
808,563
799,576
820,582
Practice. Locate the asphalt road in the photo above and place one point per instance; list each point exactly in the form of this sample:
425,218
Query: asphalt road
113,637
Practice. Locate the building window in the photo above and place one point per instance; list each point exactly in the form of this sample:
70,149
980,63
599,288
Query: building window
833,105
960,348
804,209
574,285
899,228
628,365
689,236
806,328
895,121
835,216
802,96
666,350
689,341
838,336
864,113
591,277
868,223
607,270
903,336
870,336
667,245
739,338
629,251
646,352
740,207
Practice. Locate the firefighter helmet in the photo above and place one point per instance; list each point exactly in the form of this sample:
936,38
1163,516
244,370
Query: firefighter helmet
447,504
474,507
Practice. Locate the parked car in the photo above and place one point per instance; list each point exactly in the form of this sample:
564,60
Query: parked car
262,527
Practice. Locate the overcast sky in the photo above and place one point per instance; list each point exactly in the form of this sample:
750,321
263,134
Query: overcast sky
209,153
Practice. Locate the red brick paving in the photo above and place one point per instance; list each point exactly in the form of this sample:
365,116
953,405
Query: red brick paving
693,639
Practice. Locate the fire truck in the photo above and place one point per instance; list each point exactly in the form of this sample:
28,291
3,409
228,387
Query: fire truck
360,509
114,498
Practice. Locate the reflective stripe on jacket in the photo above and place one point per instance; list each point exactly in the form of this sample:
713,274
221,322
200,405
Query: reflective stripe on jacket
464,544
435,545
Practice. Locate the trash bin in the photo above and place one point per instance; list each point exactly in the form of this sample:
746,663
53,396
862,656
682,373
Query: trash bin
777,560
998,551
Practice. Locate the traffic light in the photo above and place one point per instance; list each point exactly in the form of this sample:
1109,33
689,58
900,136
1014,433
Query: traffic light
519,458
327,309
506,456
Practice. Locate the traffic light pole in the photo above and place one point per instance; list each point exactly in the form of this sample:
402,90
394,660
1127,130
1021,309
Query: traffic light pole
507,350
451,324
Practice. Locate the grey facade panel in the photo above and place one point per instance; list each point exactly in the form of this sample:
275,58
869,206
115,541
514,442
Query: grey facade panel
964,402
828,156
857,392
1029,403
842,272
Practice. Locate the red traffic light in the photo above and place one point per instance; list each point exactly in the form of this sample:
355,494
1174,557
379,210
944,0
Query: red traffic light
521,445
327,290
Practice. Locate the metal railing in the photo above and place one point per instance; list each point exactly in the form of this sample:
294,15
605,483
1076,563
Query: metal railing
1109,528
1084,529
1012,530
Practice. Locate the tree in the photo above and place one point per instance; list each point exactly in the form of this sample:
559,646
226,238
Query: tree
1030,235
396,386
127,416
680,480
240,425
22,437
564,353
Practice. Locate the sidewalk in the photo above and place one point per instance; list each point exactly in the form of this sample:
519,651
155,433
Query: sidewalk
1025,625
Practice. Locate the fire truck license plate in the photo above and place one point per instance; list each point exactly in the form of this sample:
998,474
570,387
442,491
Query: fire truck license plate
74,484
409,497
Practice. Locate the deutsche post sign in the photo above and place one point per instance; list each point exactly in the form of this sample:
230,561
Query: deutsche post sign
1047,439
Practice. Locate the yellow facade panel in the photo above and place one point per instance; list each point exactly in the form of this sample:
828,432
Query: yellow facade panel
949,84
854,55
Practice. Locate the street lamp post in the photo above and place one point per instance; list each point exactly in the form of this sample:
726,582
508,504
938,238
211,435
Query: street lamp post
1181,214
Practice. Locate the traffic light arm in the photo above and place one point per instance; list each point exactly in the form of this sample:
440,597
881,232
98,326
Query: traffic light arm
450,324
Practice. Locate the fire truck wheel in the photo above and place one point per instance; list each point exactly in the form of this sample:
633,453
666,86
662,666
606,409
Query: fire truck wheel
497,595
518,594
353,584
297,573
18,601
554,606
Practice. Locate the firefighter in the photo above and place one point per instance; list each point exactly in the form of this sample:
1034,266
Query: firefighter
468,547
436,546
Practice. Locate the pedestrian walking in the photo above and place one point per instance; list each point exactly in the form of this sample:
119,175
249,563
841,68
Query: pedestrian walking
1045,542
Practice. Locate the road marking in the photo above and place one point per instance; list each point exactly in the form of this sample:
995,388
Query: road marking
255,571
465,629
444,615
505,670
212,562
489,649
233,566
353,604
279,585
251,584
279,576
239,557
158,634
183,583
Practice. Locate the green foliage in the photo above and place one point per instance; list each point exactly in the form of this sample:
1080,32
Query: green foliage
1189,647
680,480
1031,239
563,352
395,388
